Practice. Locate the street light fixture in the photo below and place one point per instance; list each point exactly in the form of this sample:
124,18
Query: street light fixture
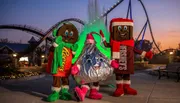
14,59
170,56
42,56
14,55
170,53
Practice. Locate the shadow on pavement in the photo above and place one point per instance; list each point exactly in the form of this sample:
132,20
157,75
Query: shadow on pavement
38,87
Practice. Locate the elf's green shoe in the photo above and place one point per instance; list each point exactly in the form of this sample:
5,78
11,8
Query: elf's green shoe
53,96
64,94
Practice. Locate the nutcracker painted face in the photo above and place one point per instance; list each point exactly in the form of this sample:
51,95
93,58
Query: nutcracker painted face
121,29
68,32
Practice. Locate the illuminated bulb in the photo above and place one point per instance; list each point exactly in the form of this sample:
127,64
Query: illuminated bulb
171,53
14,55
42,56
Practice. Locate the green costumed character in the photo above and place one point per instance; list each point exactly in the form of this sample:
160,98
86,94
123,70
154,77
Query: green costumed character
60,60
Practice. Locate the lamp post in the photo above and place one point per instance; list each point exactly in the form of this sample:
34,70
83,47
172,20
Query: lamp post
170,56
14,55
15,59
42,57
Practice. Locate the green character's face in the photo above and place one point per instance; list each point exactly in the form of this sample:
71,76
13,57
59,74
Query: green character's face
69,33
122,32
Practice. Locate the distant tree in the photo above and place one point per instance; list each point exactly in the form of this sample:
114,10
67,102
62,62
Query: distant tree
2,40
178,46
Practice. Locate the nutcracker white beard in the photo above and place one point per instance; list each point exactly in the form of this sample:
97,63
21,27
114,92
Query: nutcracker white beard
94,66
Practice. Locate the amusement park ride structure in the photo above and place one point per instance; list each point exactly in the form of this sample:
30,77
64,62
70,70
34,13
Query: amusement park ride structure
45,35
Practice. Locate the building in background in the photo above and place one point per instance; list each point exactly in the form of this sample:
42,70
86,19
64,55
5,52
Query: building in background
9,51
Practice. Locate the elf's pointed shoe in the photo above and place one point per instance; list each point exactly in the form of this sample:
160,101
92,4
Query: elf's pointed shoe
54,95
81,92
94,94
127,89
119,89
64,93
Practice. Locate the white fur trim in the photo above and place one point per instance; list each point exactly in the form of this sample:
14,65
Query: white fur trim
65,86
126,81
55,44
103,39
86,86
119,81
115,55
57,89
73,53
122,23
95,87
143,54
78,66
90,41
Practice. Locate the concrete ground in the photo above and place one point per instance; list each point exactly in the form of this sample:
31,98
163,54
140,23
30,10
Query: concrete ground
150,90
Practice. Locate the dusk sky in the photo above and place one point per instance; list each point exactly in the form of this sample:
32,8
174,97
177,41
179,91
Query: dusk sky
164,16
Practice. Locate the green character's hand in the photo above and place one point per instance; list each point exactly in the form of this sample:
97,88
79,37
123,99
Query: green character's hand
58,40
74,47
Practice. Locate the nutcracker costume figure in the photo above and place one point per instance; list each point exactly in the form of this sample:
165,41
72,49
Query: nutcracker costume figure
122,47
60,60
91,67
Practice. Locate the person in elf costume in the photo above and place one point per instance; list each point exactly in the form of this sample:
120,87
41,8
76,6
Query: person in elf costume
122,47
60,60
91,67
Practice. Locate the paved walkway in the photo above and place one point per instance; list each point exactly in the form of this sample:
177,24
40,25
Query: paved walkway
150,90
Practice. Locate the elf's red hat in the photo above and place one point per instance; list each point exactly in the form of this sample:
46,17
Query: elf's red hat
90,39
120,21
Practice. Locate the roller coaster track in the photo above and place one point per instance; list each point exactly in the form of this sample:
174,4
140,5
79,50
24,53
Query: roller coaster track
44,35
39,33
148,21
77,20
149,25
34,31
